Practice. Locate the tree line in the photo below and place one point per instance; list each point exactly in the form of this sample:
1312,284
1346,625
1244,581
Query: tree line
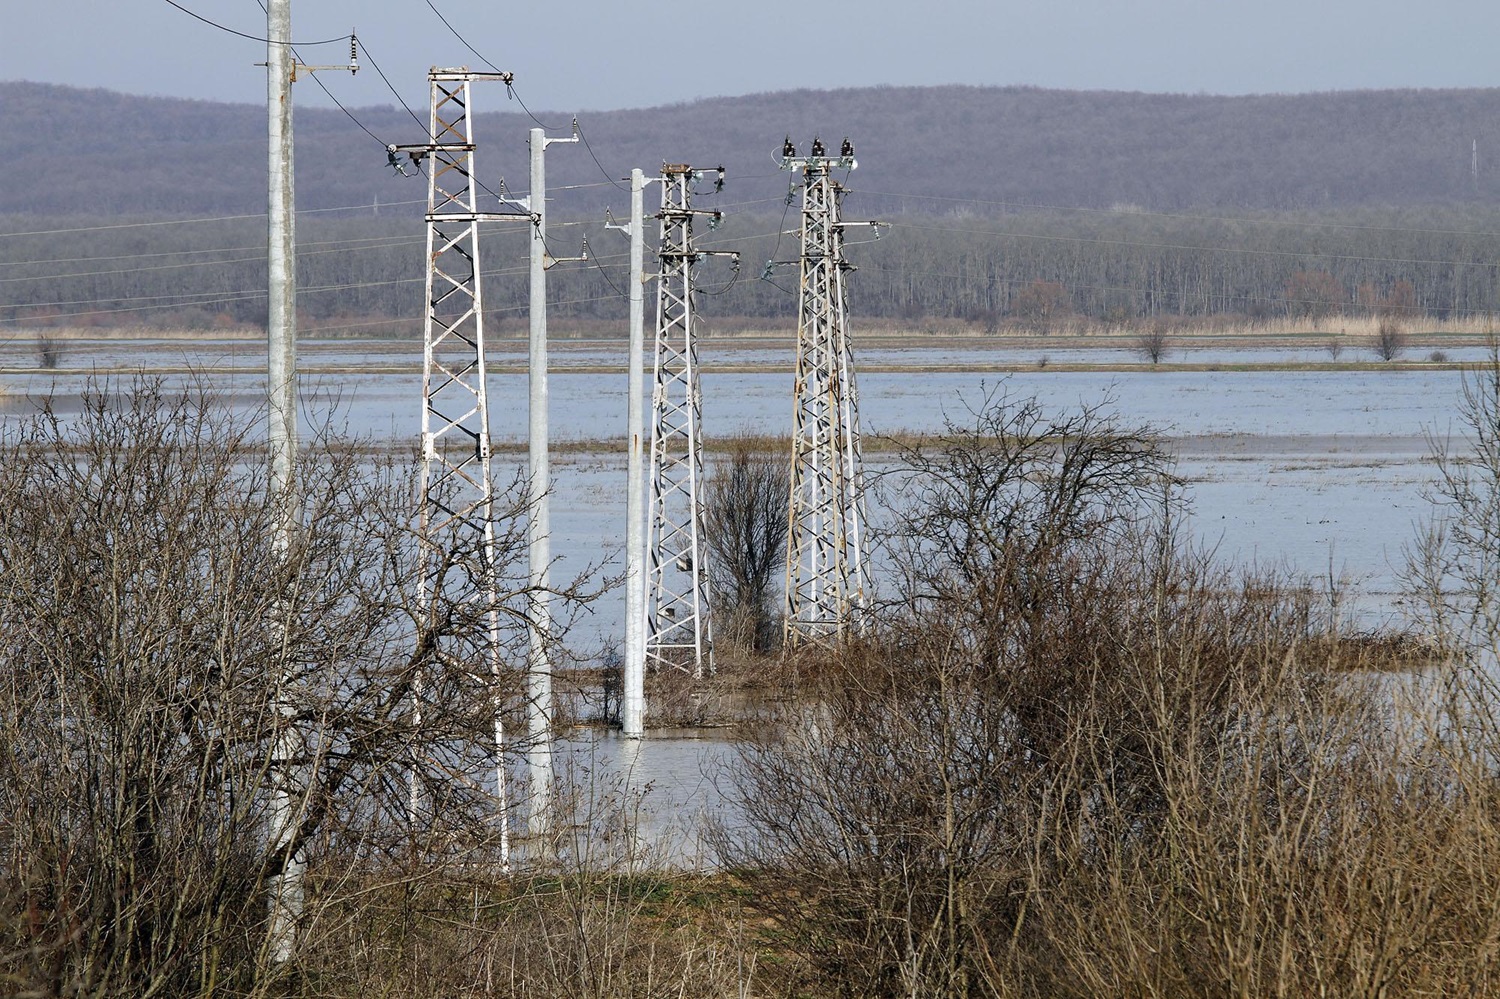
1025,270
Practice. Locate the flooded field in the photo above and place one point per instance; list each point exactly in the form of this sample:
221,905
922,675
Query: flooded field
1319,470
1308,469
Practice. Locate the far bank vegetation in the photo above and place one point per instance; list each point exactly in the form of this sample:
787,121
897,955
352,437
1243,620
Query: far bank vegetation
1037,273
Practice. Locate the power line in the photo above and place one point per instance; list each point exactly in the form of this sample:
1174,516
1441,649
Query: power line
216,249
389,86
534,119
590,148
464,40
253,38
187,299
1183,216
599,266
347,113
385,243
217,218
1249,251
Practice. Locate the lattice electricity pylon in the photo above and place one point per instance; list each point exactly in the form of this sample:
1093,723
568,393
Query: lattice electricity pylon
456,520
827,574
679,632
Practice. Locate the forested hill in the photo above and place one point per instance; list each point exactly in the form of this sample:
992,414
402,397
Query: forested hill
75,152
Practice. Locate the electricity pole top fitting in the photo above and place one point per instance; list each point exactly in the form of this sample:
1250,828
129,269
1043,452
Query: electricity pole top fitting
449,132
352,66
818,157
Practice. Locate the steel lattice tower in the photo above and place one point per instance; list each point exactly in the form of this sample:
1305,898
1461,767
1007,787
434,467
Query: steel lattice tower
457,496
827,565
678,631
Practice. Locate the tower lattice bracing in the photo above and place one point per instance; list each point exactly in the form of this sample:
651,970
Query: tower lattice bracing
827,579
678,633
456,522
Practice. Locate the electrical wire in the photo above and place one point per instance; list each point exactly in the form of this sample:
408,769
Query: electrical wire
582,187
217,218
218,249
534,119
780,234
585,138
187,299
349,114
599,266
257,258
1238,299
389,86
1183,216
734,279
464,40
1249,251
253,38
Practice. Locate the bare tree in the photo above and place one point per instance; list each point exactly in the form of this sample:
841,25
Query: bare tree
48,351
1390,341
746,525
1153,342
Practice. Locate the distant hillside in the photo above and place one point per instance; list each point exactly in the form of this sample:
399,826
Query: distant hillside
74,152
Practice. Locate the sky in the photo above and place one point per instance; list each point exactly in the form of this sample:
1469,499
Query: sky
591,55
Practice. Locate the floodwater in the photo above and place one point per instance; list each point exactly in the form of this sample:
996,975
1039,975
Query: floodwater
1318,472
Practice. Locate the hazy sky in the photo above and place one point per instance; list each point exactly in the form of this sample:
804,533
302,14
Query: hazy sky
593,55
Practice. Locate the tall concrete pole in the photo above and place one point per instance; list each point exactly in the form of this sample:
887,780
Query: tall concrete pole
633,715
538,525
281,319
281,398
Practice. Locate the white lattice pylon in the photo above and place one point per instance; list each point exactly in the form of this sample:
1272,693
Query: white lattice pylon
456,523
678,632
827,580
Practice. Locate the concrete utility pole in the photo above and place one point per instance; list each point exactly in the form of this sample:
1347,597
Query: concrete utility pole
633,708
287,791
679,632
456,522
538,525
827,580
281,399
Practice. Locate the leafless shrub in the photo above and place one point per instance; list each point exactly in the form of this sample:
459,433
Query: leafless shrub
48,352
1390,341
1450,566
1152,343
1075,758
1334,346
146,686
